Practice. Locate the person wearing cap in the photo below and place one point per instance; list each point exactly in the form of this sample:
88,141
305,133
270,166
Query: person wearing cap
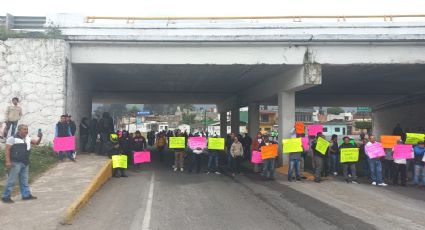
375,165
13,115
116,150
419,151
348,165
64,130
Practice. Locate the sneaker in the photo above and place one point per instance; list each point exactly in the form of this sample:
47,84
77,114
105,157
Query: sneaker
124,175
30,197
374,183
208,172
354,182
335,174
181,169
217,172
382,184
7,200
289,179
175,169
298,179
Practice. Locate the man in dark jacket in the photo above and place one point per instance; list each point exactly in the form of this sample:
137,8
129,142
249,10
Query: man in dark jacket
105,127
351,165
64,130
318,159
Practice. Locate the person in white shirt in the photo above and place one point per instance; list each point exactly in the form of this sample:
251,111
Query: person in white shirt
374,165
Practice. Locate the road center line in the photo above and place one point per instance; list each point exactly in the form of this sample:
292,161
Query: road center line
147,217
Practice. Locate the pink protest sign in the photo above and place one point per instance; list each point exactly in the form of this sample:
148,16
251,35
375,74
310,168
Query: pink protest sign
306,146
256,157
197,142
375,150
403,152
142,157
64,144
314,129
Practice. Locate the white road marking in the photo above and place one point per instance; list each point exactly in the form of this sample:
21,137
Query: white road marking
135,225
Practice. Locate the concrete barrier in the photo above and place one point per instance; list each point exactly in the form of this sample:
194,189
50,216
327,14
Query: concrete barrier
102,176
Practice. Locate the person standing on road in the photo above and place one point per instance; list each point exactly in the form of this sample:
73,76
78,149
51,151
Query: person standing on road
268,164
333,155
125,145
256,147
17,159
13,115
375,165
160,143
84,134
179,155
419,151
294,163
318,159
138,144
236,152
400,169
63,130
116,150
348,165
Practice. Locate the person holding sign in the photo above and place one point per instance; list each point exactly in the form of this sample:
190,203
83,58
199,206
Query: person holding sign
268,163
294,148
63,130
419,151
374,152
178,150
117,151
138,144
320,149
348,165
400,168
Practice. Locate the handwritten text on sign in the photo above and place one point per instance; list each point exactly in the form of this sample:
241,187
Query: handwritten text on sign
64,144
293,145
197,142
142,157
375,150
177,143
349,155
269,151
322,145
403,152
119,161
216,143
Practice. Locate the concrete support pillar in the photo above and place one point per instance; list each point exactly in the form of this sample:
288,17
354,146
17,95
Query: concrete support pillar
223,124
253,119
286,101
235,122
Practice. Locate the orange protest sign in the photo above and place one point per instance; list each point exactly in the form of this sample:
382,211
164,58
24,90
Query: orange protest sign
269,151
389,141
299,127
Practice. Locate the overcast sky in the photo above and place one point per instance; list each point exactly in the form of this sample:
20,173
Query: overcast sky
211,7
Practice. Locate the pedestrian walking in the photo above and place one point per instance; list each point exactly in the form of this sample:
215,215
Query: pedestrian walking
17,154
13,115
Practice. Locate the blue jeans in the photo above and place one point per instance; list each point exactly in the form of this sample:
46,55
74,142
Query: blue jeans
62,155
212,161
294,163
419,172
333,166
268,168
375,167
10,124
21,170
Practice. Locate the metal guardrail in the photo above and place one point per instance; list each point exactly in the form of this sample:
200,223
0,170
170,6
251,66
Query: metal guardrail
23,22
91,19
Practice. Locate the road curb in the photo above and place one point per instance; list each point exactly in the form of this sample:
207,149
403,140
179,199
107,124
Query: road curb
101,177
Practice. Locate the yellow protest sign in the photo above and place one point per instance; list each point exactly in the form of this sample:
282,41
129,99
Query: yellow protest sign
322,145
349,155
389,141
177,143
119,161
269,151
293,145
414,138
216,143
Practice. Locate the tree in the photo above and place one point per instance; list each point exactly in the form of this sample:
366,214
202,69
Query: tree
188,118
363,125
334,110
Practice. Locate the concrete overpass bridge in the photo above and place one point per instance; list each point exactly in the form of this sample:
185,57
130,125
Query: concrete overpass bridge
230,63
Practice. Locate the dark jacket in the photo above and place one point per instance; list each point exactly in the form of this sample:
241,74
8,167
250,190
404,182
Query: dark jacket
419,154
73,127
62,130
84,129
138,144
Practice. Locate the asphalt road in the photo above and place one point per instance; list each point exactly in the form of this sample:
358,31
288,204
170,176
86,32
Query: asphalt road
158,198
